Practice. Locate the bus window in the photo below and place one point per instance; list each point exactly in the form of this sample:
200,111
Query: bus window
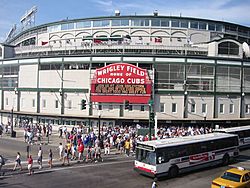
145,156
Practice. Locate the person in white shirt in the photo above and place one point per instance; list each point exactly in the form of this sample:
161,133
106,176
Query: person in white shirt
40,157
60,147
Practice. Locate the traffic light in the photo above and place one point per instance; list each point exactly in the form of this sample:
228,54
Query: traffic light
126,104
152,116
83,104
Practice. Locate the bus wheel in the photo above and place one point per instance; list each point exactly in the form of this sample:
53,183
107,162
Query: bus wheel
225,160
173,171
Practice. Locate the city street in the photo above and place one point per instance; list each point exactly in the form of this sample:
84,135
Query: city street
115,171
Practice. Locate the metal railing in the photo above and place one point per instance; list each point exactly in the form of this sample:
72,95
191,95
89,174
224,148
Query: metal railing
27,51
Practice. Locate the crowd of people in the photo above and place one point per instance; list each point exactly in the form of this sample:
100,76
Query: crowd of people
81,143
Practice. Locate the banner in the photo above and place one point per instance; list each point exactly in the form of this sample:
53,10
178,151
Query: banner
118,82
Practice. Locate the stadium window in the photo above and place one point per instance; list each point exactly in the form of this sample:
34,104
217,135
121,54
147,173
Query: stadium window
71,25
64,26
138,22
33,103
219,27
22,102
44,103
101,23
164,23
111,107
162,107
7,101
156,22
228,48
130,107
231,108
69,104
211,27
221,109
142,108
83,24
247,108
204,108
184,24
56,104
99,107
175,23
202,25
1,52
174,107
122,22
194,25
97,65
147,66
193,106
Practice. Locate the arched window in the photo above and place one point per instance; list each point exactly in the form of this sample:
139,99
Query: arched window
228,48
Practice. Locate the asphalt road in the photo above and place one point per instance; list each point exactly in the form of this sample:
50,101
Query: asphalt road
115,171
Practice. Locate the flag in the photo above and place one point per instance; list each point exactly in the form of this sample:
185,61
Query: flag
97,41
158,40
44,43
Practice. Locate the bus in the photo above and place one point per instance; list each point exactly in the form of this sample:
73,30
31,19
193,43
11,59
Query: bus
243,132
172,156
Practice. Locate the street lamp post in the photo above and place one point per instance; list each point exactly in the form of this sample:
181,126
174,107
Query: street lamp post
11,122
99,126
12,133
242,105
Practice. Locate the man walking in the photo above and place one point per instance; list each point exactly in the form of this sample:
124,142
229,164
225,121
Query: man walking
40,157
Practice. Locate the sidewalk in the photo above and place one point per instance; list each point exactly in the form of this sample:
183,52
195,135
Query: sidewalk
54,141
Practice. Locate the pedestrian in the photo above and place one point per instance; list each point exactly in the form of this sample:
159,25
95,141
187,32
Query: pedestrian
50,158
18,162
60,132
89,154
127,146
107,147
60,147
2,162
98,153
1,130
40,157
30,165
80,149
154,184
66,156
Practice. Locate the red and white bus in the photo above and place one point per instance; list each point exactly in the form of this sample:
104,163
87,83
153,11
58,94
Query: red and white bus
243,132
177,155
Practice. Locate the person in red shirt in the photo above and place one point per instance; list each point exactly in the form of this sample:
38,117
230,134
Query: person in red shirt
30,165
80,150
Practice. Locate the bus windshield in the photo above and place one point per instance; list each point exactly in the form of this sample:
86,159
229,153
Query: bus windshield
145,156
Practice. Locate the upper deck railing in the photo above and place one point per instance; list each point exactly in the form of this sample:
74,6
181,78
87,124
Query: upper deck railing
33,51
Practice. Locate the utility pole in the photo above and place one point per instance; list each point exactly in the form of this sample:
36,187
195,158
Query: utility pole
151,117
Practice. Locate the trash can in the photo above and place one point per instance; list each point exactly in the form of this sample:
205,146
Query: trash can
13,134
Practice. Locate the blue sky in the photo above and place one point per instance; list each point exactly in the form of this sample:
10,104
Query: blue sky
236,11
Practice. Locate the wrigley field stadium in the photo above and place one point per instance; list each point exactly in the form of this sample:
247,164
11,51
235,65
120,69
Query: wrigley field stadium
127,70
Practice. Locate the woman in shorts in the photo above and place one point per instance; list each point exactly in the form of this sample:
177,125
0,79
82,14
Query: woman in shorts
18,162
30,165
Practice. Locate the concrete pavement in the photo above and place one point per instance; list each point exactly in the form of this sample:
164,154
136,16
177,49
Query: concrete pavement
46,144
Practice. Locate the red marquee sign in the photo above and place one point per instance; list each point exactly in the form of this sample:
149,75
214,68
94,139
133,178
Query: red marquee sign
118,82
